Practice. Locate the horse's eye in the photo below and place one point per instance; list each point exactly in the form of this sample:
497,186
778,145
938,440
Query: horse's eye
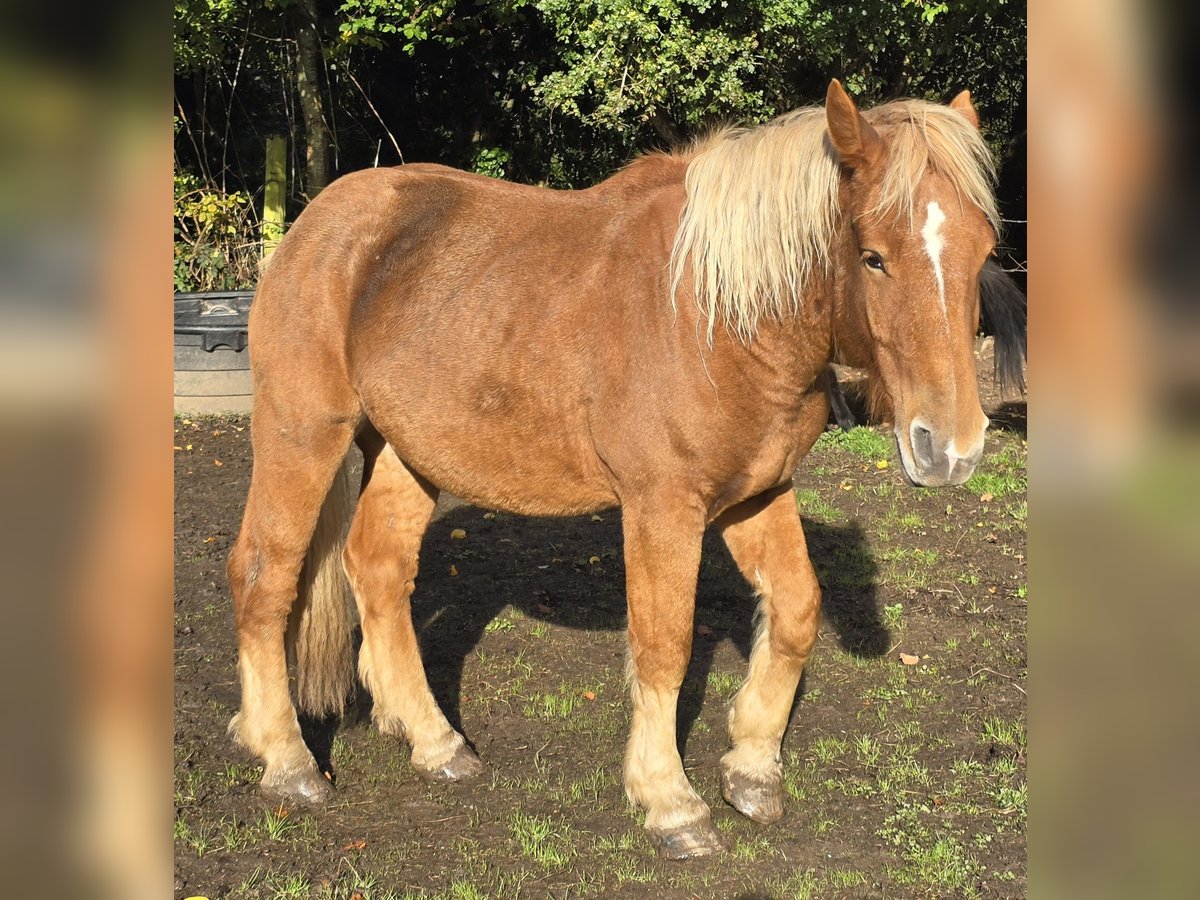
873,260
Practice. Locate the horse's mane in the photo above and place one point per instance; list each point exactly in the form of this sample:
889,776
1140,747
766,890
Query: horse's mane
762,203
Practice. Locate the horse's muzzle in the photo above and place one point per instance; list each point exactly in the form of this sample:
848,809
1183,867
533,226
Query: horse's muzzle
930,461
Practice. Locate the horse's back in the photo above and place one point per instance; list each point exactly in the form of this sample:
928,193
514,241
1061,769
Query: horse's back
474,318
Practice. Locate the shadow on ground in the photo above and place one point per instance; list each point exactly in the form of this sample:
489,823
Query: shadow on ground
569,572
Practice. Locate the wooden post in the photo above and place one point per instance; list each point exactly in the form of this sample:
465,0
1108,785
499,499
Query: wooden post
274,193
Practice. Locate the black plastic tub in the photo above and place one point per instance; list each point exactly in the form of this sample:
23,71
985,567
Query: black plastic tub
212,365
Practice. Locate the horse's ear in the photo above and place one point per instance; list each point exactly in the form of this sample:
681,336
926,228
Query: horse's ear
857,143
964,107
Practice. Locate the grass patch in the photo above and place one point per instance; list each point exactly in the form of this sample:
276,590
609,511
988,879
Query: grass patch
542,840
725,684
813,506
861,441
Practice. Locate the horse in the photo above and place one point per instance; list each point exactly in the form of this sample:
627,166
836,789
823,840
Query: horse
654,343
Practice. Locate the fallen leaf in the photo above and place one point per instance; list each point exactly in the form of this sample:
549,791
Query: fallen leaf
459,534
597,519
987,498
992,590
489,515
453,570
589,695
990,537
217,462
846,485
188,447
881,464
909,659
357,895
217,433
209,540
594,560
177,447
355,845
949,509
543,608
703,629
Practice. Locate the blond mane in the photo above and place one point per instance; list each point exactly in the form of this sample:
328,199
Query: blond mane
762,203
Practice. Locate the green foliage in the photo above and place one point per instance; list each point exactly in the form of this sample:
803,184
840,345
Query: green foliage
561,92
216,246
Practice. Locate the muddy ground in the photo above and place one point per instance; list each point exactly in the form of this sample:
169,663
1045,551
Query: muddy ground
904,780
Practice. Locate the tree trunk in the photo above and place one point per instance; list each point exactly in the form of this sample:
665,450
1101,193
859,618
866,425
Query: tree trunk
308,86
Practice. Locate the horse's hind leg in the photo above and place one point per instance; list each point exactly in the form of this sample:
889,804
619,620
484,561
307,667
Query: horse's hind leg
662,557
381,561
765,539
295,461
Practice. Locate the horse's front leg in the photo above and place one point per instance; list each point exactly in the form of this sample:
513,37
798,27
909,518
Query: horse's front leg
662,557
765,539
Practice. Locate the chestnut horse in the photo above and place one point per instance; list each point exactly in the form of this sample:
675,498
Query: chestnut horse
656,343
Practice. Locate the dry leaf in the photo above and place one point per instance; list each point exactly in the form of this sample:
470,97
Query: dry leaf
355,845
188,447
881,464
594,560
453,570
589,695
458,534
909,659
597,519
217,462
987,498
489,515
177,447
209,540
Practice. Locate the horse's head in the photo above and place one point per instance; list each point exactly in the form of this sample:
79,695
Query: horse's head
911,192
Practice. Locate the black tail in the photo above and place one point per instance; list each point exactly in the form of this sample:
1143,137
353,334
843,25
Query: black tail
1004,309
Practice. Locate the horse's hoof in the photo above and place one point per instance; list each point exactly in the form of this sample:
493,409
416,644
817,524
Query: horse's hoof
464,764
759,801
306,788
689,842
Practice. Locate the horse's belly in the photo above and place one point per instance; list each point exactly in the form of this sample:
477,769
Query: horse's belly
528,465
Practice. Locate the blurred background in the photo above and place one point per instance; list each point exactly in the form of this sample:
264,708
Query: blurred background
559,93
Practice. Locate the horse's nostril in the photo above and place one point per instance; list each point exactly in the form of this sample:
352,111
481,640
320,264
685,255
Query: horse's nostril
922,444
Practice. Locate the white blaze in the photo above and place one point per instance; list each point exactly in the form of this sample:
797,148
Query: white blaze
932,233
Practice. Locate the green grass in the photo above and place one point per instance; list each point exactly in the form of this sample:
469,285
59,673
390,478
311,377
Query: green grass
550,706
1001,473
542,840
725,684
812,505
862,441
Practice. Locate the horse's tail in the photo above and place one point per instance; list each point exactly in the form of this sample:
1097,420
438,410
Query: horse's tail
1004,314
322,621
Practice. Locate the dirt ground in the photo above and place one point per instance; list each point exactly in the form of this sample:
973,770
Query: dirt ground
904,780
